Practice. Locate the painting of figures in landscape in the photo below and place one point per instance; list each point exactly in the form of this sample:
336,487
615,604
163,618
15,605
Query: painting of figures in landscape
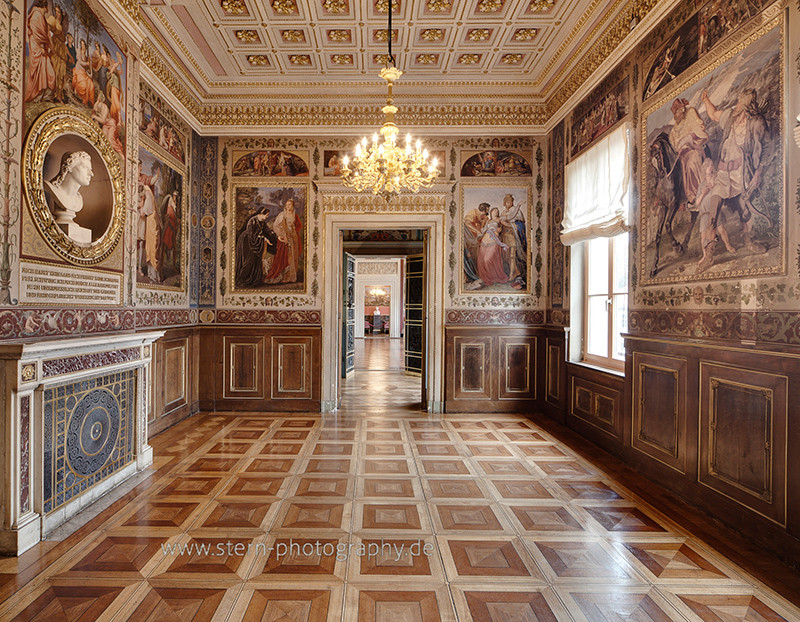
601,116
494,239
713,173
153,124
695,38
159,232
269,163
493,163
70,59
270,238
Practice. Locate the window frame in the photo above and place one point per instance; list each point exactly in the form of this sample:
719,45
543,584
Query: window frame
608,361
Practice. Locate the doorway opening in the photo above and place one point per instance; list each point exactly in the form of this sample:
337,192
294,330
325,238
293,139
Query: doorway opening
430,313
383,320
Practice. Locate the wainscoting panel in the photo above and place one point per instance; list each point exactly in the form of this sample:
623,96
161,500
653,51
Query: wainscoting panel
244,367
743,415
501,369
174,387
473,368
260,368
291,370
517,367
659,408
596,401
720,426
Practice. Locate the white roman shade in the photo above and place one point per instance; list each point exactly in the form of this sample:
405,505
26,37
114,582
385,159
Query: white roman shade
597,190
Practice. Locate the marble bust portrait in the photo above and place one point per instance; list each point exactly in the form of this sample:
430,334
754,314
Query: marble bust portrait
64,193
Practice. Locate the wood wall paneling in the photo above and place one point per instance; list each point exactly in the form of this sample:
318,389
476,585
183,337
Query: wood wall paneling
175,379
291,370
596,399
659,408
500,369
554,358
517,367
473,367
743,417
244,367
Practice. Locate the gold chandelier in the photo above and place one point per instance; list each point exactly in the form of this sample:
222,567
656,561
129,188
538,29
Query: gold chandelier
384,167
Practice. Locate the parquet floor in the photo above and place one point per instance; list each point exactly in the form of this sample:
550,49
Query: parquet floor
380,513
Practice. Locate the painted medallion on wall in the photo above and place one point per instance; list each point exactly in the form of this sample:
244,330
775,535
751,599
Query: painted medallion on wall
712,162
160,231
270,241
694,39
333,162
71,60
155,126
270,163
494,163
602,114
74,186
495,225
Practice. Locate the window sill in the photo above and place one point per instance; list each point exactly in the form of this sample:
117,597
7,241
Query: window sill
606,370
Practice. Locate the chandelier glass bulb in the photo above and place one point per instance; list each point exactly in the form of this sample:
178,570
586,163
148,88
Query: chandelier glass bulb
384,167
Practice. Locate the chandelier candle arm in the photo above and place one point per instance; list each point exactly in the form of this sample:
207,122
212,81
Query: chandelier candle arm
384,167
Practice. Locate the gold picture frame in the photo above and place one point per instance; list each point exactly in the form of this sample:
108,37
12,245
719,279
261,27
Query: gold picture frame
55,134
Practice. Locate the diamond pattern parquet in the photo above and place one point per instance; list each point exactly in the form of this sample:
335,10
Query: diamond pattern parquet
381,514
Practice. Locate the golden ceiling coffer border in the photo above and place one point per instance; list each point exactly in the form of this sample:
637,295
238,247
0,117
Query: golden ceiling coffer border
51,125
421,115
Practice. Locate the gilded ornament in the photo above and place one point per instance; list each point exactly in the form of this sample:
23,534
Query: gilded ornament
525,34
432,34
339,35
335,6
342,59
76,133
439,6
511,59
247,36
383,36
537,6
426,59
469,59
233,7
381,59
490,6
28,372
300,59
284,7
382,6
293,36
258,60
478,34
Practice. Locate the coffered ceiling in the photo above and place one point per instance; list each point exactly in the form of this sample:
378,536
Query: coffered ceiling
483,52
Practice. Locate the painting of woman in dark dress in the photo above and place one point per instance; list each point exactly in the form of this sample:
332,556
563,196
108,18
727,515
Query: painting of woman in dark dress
253,242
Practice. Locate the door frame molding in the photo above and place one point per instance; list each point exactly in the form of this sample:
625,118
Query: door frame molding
333,225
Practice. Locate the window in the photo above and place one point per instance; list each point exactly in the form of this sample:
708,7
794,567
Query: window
595,226
605,309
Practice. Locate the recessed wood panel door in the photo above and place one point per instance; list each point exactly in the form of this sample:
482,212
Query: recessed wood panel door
244,367
743,418
517,367
659,408
291,368
473,368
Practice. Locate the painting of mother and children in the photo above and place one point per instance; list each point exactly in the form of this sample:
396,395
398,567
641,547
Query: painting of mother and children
495,225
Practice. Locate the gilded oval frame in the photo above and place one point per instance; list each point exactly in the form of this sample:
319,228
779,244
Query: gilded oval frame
49,127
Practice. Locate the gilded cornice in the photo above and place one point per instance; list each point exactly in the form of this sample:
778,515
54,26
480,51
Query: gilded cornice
635,10
163,71
464,115
131,8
